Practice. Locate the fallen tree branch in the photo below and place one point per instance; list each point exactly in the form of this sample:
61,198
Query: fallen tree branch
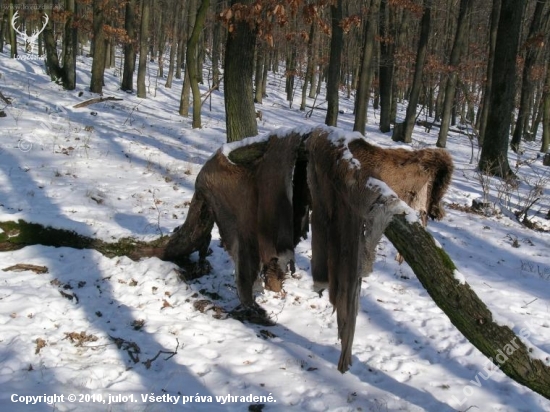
17,235
96,100
436,271
6,100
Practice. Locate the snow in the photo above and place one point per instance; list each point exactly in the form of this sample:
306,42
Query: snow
127,168
460,277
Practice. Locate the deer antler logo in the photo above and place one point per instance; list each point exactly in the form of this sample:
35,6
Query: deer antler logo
29,40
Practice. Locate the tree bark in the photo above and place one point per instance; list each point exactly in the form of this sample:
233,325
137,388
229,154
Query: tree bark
366,69
402,132
216,44
69,47
387,48
436,271
239,92
546,113
191,60
186,88
261,53
495,14
53,69
130,47
143,46
336,45
100,47
532,54
456,53
11,32
494,153
173,47
3,25
308,78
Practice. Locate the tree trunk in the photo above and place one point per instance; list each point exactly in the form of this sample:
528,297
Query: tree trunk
3,25
53,69
70,45
495,14
182,39
312,60
290,73
11,32
264,74
309,68
537,115
216,44
191,61
402,132
456,53
186,89
100,47
160,45
258,80
546,113
386,65
366,68
336,45
143,43
532,54
173,47
494,153
129,48
436,271
240,116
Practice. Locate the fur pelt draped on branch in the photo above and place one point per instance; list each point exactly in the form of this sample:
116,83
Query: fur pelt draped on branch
259,192
350,215
352,206
260,211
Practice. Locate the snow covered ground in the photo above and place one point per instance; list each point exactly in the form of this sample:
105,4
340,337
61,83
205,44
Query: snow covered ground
127,336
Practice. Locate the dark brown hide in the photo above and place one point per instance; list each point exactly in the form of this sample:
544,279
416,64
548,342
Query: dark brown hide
348,220
194,234
253,208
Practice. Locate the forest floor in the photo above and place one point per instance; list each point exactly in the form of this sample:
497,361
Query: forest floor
99,327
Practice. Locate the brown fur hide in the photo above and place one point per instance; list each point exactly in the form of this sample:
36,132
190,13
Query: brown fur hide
420,178
349,218
253,208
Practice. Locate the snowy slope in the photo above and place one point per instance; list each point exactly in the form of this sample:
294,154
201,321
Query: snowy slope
127,168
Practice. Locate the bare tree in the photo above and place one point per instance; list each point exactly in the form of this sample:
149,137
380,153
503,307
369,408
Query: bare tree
143,45
239,69
456,53
366,67
534,45
99,46
494,153
129,47
191,61
333,81
403,131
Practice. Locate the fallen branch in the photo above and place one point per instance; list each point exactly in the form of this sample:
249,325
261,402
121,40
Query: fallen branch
148,362
22,267
6,100
438,274
96,100
17,235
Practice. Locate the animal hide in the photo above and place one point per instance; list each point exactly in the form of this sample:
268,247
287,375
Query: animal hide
349,216
252,204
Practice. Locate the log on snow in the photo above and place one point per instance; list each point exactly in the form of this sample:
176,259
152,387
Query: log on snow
436,271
